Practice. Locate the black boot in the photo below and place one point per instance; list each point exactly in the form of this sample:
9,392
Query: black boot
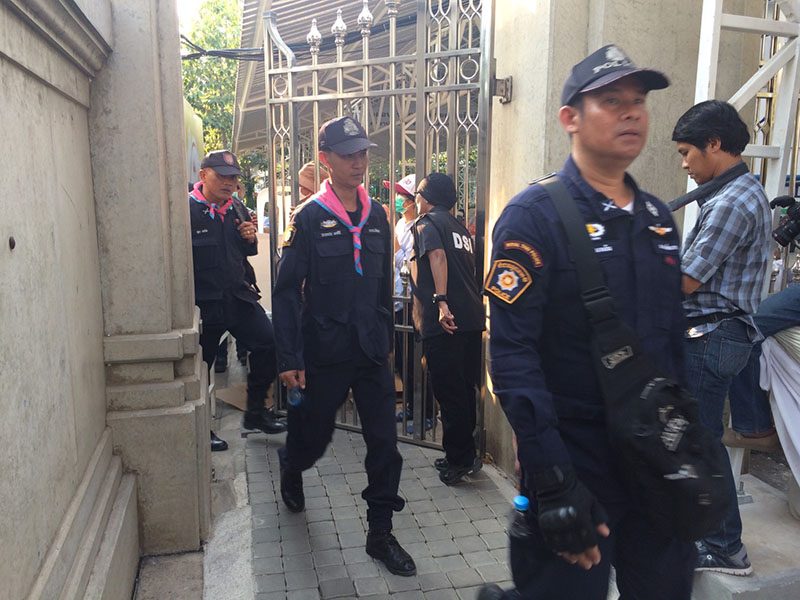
292,488
383,546
265,420
217,444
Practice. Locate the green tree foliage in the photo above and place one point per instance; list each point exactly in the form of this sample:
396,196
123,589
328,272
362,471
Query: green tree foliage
209,82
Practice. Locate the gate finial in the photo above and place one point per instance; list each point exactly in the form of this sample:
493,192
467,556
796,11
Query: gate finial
391,7
339,28
314,37
365,19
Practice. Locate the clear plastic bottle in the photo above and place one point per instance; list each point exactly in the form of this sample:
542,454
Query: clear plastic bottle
295,397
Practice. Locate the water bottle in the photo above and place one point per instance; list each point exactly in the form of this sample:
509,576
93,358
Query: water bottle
295,397
522,545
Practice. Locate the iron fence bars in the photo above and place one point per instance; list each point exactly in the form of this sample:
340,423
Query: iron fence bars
417,74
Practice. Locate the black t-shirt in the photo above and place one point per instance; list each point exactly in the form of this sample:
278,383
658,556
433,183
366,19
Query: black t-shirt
438,229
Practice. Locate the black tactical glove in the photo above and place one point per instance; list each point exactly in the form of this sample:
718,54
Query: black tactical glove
568,513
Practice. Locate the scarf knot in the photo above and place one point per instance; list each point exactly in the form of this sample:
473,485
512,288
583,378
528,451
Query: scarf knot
329,201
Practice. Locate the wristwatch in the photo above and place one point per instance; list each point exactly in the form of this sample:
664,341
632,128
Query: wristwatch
439,298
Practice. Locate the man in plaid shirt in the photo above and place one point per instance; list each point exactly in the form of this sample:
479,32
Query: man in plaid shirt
724,265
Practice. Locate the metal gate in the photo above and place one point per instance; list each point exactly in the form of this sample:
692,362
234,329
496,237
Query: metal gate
419,77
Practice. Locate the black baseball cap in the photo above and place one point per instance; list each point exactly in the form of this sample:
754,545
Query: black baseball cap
343,135
604,66
222,161
438,189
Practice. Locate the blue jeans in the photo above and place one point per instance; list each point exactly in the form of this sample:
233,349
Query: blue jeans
750,410
712,361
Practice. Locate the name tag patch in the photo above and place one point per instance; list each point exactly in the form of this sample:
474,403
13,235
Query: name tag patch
533,253
668,247
327,234
507,280
603,249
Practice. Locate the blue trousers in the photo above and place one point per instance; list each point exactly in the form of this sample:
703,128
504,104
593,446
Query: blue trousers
712,361
750,410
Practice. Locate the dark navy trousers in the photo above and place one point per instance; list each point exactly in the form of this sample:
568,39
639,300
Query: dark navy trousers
311,425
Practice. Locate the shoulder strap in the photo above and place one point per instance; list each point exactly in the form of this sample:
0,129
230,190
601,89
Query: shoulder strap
594,292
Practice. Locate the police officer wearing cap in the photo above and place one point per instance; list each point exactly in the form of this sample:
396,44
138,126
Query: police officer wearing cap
448,314
332,302
583,520
222,236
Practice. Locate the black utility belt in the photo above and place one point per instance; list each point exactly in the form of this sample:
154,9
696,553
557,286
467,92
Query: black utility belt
712,318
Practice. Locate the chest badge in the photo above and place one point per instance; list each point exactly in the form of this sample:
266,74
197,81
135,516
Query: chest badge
658,230
328,223
608,205
507,280
596,231
651,208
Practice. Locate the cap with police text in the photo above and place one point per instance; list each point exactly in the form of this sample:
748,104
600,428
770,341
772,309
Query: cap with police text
222,161
604,66
405,186
343,135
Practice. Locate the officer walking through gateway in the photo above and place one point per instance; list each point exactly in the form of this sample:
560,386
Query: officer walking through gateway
333,312
222,236
583,518
448,314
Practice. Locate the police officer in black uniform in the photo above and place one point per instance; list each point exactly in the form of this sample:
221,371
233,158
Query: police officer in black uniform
583,519
448,314
333,315
222,236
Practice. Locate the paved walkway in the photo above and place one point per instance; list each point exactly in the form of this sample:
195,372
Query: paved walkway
455,534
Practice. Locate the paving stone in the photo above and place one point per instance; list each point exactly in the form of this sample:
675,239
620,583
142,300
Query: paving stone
446,503
488,526
314,491
297,562
266,508
446,594
336,588
321,528
426,565
459,530
494,573
441,492
433,581
349,525
422,506
435,533
410,535
462,578
312,594
500,555
325,542
404,520
271,596
331,572
454,562
329,468
442,548
300,580
323,558
430,519
270,583
398,583
468,593
410,595
477,513
259,486
266,550
355,539
363,570
417,549
268,566
340,501
261,497
481,557
495,540
366,586
266,534
293,531
322,502
357,555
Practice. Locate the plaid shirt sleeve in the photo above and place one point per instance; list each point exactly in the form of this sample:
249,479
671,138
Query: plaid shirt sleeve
717,237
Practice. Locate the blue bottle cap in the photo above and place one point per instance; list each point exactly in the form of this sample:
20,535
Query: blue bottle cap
521,503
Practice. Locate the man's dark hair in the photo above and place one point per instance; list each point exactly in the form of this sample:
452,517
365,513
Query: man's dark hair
709,120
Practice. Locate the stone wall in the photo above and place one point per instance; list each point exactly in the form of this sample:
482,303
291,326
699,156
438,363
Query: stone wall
104,418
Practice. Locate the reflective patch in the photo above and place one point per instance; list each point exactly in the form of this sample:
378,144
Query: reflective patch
327,223
596,230
668,247
533,253
288,236
660,230
507,280
651,208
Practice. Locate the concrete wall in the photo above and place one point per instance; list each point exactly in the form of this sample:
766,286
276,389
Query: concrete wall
538,42
104,418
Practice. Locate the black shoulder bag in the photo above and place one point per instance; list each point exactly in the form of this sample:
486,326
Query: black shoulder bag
670,461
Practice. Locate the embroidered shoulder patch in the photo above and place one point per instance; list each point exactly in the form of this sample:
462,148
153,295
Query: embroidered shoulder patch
327,223
507,280
533,253
658,230
288,236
